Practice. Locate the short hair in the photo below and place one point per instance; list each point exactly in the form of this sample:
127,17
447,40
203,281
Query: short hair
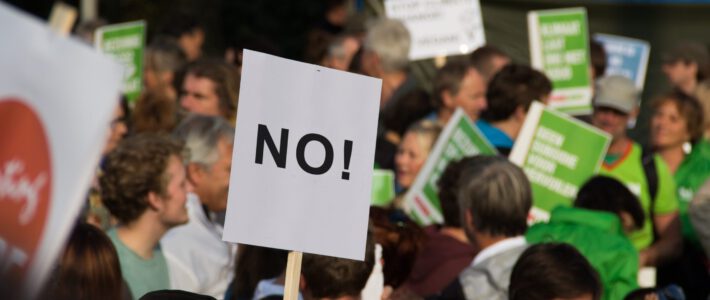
448,188
449,78
690,52
201,134
497,194
155,112
226,81
604,193
514,86
597,56
332,277
253,264
164,54
482,59
135,168
689,109
551,271
390,40
427,131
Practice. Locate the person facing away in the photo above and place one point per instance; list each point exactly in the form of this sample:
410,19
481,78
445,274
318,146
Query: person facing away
145,188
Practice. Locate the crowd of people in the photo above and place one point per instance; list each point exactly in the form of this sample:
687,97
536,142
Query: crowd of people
153,220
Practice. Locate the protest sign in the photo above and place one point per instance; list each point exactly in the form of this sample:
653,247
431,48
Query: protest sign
559,47
459,138
439,27
626,57
558,154
125,42
382,187
303,155
57,97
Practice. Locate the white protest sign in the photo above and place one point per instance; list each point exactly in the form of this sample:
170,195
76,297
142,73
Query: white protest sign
57,97
439,27
303,156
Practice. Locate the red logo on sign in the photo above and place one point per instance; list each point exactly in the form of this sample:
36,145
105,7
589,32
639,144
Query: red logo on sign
25,186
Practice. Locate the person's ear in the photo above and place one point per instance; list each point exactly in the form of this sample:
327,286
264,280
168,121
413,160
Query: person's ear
519,114
447,99
155,202
634,112
302,284
195,173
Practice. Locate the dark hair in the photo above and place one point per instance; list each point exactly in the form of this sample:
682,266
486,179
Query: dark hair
689,52
550,271
608,194
482,59
226,83
512,87
401,240
154,112
179,23
448,188
689,108
598,58
135,168
449,78
332,277
253,264
88,267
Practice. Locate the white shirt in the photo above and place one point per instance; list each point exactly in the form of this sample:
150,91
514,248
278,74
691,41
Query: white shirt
498,247
198,260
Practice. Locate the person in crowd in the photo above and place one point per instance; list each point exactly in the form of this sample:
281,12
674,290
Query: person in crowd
458,85
211,88
88,268
446,251
198,260
155,112
553,271
164,60
413,152
188,32
603,211
259,273
597,56
615,103
86,30
341,51
509,95
145,188
687,67
494,198
488,60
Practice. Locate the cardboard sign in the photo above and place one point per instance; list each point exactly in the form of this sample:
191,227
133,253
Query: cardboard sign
559,47
460,138
303,155
382,187
57,97
626,57
439,27
125,42
559,154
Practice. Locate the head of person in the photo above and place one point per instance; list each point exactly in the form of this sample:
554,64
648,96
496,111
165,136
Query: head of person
163,59
448,189
401,240
554,271
494,199
686,62
615,103
386,48
144,177
254,264
607,194
458,84
86,29
488,60
188,32
88,268
327,277
598,59
154,112
211,87
414,149
210,142
512,90
341,51
677,119
118,127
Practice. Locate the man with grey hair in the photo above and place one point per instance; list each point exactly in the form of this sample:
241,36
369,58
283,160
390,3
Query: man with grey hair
494,198
198,260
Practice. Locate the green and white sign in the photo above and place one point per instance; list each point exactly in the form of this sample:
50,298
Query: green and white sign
559,46
460,138
382,187
559,154
125,42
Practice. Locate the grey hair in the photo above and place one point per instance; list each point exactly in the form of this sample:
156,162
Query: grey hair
390,40
201,135
164,54
497,194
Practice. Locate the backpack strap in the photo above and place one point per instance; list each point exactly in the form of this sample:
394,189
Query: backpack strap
649,170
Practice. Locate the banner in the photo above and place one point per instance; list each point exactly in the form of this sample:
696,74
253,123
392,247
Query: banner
626,57
382,187
558,154
303,155
125,42
460,138
559,47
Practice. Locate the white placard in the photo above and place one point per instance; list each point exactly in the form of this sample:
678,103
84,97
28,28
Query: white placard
291,184
439,27
56,100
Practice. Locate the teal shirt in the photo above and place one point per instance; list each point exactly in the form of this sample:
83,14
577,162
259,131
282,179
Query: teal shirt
599,237
690,176
142,275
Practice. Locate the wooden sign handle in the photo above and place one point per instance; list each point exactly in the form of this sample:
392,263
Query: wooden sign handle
293,275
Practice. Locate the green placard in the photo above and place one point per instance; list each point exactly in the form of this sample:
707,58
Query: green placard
125,42
460,138
559,46
382,187
558,154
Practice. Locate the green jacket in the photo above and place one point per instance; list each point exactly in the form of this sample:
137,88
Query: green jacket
600,238
691,174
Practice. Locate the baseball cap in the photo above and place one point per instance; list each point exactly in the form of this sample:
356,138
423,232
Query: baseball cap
617,92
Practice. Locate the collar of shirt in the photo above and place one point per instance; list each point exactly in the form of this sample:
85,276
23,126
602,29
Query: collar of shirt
498,247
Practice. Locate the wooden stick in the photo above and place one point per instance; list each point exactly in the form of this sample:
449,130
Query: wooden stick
293,275
62,18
